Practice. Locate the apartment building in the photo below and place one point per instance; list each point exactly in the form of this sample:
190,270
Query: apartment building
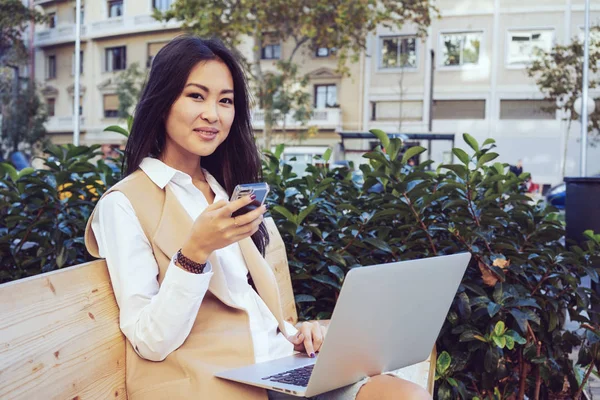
480,83
477,79
117,33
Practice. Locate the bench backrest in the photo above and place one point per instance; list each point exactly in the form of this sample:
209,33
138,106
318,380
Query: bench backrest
60,336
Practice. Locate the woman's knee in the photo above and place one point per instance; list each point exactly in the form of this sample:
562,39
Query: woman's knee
386,387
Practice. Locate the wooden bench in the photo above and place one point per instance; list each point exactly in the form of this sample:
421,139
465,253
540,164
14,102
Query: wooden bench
60,336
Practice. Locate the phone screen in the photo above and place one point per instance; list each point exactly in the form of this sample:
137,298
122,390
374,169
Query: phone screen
260,190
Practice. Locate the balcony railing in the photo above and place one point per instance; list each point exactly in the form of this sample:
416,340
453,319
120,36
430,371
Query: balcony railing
62,124
326,118
123,25
60,34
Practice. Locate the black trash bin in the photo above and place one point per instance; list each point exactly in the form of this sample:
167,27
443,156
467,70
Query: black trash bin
582,208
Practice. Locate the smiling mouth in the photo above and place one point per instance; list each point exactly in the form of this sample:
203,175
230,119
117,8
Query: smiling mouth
207,134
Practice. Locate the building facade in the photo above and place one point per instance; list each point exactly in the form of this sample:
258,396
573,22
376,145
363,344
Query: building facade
471,64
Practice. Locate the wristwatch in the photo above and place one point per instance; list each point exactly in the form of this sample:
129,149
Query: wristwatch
187,264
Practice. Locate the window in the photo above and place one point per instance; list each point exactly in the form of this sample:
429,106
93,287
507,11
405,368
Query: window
391,110
271,52
527,109
521,45
325,96
50,105
52,20
458,109
51,67
115,8
80,63
162,5
111,106
325,51
398,52
115,58
75,14
153,49
460,48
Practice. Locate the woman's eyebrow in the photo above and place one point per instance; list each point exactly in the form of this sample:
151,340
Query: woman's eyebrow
224,91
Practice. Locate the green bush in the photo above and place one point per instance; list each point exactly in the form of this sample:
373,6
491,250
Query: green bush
505,325
503,337
44,212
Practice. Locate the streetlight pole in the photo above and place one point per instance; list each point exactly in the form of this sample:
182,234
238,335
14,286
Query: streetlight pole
76,91
584,91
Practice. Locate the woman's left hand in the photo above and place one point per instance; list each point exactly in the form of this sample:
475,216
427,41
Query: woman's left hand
309,338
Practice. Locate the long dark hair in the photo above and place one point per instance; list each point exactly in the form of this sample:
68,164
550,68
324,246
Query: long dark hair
237,159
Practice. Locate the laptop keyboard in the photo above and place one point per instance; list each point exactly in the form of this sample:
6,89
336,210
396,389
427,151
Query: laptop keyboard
298,376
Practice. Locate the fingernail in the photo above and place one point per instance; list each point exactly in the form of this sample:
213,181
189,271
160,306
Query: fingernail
266,206
312,355
252,197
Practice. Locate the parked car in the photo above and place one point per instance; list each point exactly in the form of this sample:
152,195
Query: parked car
557,195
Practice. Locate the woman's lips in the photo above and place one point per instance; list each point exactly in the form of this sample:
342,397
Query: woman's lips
208,134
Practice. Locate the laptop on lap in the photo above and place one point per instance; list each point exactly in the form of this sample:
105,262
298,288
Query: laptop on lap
387,317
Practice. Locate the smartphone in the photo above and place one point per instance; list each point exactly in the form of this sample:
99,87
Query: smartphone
260,190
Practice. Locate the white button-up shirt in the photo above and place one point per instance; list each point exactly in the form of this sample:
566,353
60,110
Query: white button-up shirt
157,319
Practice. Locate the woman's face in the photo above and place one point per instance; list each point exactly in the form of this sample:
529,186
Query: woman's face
201,117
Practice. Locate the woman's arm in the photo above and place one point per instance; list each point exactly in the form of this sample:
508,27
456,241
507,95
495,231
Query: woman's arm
156,320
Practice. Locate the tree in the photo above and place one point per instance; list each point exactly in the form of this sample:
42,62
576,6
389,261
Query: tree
340,24
559,75
23,120
14,17
129,86
23,114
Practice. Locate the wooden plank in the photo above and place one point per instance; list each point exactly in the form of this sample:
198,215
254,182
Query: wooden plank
60,336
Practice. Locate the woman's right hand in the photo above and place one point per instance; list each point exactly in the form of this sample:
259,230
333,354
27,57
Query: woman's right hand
215,228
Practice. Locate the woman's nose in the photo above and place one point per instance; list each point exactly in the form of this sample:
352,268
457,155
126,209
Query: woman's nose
210,114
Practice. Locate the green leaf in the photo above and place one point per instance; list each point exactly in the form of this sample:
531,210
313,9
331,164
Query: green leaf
487,157
279,150
458,169
129,124
411,152
488,141
499,328
510,342
335,257
326,280
462,155
25,172
305,212
471,141
327,155
337,271
382,136
443,362
117,129
500,341
304,298
12,172
380,244
284,211
452,382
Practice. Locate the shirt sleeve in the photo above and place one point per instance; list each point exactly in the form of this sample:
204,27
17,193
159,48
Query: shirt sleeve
155,319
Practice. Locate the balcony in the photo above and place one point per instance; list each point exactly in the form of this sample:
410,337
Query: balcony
62,124
61,34
324,118
126,25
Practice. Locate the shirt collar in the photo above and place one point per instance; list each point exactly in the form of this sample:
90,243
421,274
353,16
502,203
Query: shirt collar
161,174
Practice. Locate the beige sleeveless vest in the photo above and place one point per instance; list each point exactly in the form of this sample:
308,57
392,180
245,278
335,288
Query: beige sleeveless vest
220,337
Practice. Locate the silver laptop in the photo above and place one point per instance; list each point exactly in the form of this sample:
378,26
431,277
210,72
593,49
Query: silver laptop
387,317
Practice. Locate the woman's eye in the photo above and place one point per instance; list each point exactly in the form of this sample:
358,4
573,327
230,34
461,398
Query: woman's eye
196,96
227,101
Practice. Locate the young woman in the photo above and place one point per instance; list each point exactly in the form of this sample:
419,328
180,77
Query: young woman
179,263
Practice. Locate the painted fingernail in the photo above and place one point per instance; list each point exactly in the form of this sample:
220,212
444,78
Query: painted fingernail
252,197
266,206
312,355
